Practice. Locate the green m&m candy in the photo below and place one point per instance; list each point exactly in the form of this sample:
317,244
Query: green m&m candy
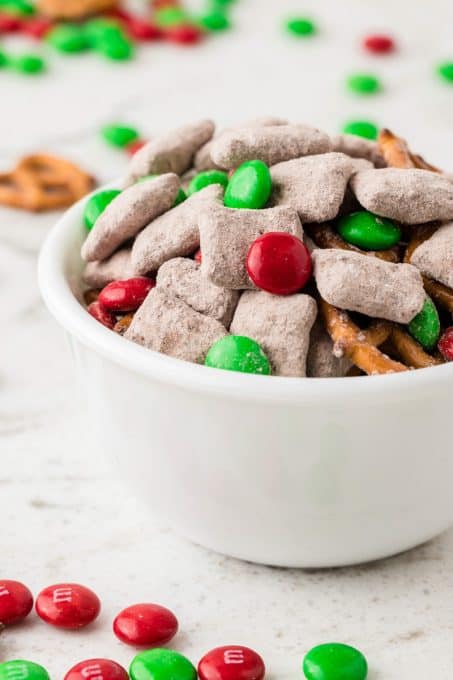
97,204
167,17
445,71
119,135
100,29
22,670
161,664
30,64
363,83
19,7
69,38
238,353
334,661
204,179
368,231
249,187
361,128
215,21
117,48
300,27
425,326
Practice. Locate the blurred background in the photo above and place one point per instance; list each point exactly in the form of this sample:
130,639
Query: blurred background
63,517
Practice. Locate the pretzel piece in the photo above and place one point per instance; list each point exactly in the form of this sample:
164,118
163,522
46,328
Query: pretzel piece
348,339
396,153
326,237
410,351
42,182
74,9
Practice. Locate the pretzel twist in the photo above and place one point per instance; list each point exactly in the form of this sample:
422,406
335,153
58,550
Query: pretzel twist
42,182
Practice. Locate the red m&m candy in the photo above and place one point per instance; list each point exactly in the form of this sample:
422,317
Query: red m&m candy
126,295
279,263
231,663
68,605
97,669
183,34
16,602
145,625
135,146
101,314
445,346
379,44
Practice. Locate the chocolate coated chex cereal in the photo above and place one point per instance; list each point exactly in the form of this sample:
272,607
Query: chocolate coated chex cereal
359,147
434,257
99,273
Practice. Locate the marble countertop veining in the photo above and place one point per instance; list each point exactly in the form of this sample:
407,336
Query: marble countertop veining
64,515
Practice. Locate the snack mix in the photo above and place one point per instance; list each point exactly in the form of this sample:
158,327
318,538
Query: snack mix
273,248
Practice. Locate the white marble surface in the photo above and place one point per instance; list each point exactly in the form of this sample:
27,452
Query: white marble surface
64,517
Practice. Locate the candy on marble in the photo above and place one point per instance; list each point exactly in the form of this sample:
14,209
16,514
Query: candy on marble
360,283
99,273
358,147
97,669
171,152
410,196
334,661
145,625
232,662
281,325
166,324
271,144
128,213
176,233
68,605
226,235
182,277
434,257
321,360
16,602
161,664
19,669
315,186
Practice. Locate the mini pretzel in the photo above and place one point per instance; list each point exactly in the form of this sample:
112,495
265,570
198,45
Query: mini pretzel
123,324
410,351
397,155
325,237
74,9
349,340
41,182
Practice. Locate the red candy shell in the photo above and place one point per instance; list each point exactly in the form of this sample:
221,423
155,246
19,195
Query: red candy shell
16,602
145,625
68,605
101,314
183,35
446,344
379,44
126,295
279,263
97,669
233,662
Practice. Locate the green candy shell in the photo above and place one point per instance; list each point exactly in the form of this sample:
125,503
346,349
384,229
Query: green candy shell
204,179
18,7
97,204
116,48
445,71
249,187
119,135
238,353
23,670
98,30
425,326
161,664
368,231
68,38
334,661
215,21
170,16
363,83
29,64
361,128
301,27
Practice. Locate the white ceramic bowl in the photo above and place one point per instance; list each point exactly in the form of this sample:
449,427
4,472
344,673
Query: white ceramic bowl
284,471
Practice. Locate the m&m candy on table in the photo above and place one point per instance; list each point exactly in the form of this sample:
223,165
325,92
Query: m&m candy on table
361,128
145,625
238,353
68,605
334,661
301,27
119,135
97,669
378,43
363,83
279,263
16,602
22,670
232,662
161,664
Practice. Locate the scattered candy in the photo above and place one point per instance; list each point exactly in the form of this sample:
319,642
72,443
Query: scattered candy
425,326
379,44
69,38
215,21
97,669
279,263
133,147
301,27
101,314
120,135
30,64
22,670
37,27
9,23
68,605
126,295
363,83
16,602
249,187
445,71
334,661
97,204
18,7
203,179
145,625
368,231
183,35
361,128
238,353
161,664
231,663
445,344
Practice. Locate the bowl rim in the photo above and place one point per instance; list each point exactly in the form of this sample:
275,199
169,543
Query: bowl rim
67,310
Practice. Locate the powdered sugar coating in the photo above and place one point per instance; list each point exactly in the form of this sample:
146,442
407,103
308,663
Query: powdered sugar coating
434,257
